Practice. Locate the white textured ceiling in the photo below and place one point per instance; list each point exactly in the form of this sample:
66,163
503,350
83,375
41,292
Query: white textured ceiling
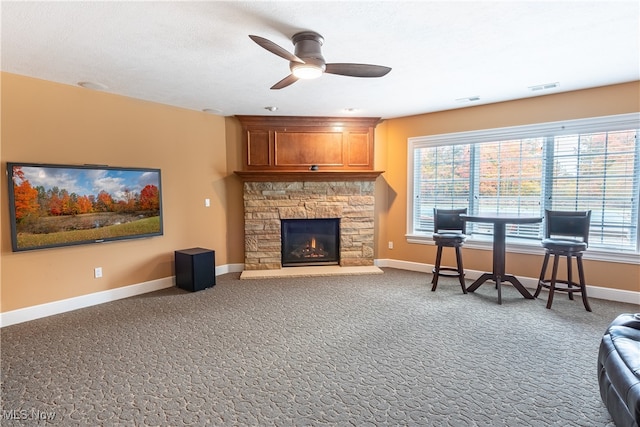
198,55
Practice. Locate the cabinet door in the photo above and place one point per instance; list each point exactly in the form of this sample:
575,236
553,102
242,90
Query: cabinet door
359,150
258,149
302,149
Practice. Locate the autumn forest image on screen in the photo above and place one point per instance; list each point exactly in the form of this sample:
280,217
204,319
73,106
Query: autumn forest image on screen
63,205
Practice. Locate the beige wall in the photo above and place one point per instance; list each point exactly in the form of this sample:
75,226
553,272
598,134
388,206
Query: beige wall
45,122
392,212
52,123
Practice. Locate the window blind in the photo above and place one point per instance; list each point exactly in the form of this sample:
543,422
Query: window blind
441,179
599,172
508,182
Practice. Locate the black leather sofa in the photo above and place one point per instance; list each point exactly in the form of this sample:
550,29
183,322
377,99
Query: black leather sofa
619,370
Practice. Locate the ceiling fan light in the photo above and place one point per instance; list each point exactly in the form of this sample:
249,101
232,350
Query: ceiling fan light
306,71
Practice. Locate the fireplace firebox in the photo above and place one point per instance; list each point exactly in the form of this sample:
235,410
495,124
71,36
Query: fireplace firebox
310,242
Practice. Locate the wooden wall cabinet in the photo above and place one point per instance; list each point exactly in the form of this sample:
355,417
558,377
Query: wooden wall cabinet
286,143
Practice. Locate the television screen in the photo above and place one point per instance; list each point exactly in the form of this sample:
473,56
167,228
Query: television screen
61,205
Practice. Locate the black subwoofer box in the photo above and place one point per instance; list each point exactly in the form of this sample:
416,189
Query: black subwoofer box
195,269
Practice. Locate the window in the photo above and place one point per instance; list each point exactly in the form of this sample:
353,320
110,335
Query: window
574,165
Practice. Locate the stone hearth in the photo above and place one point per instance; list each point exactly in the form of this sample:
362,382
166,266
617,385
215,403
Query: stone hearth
311,271
266,203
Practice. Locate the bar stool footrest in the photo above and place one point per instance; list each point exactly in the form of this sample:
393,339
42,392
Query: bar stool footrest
447,272
563,286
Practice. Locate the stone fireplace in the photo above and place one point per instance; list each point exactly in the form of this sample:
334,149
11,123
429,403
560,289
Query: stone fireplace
308,168
267,202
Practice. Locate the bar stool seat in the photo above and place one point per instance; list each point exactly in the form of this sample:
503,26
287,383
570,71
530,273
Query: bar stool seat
449,232
560,245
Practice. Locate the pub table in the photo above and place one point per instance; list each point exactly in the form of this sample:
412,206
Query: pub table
498,275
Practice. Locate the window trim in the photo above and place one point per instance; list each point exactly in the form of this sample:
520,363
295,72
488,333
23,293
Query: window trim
549,129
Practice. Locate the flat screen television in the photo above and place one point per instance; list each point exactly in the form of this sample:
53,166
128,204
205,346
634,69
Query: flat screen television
61,205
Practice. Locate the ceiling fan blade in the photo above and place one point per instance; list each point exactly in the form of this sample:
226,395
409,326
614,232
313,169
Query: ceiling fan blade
287,81
274,48
357,70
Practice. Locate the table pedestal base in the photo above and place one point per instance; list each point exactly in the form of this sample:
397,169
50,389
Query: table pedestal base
498,281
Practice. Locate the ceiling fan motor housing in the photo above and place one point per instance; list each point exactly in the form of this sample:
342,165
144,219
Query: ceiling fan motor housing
308,46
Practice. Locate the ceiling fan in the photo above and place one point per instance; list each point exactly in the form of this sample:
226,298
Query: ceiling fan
308,62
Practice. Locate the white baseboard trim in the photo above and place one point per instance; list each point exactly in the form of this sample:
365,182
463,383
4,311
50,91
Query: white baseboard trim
75,303
529,282
229,268
57,307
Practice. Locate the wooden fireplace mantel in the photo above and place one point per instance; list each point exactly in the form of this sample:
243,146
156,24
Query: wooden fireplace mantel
278,175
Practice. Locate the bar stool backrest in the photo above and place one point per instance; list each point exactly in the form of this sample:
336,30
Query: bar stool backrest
573,224
449,220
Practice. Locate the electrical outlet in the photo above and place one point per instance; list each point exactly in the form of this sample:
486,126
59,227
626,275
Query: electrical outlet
390,244
207,203
97,272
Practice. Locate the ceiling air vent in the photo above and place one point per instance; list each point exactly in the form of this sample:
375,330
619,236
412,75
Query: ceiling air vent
545,86
469,99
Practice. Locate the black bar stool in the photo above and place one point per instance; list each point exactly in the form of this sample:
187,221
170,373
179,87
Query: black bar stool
449,231
566,234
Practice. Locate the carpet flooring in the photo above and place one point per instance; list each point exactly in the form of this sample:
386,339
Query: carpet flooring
368,350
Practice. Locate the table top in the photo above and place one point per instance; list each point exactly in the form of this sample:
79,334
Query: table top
504,218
